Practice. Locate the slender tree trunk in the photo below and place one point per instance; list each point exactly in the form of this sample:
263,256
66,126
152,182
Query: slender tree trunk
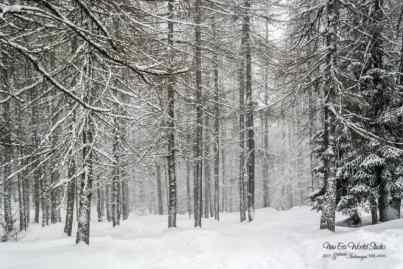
100,201
71,193
207,172
250,156
22,176
35,142
198,152
188,198
224,187
265,121
85,186
116,199
242,183
216,127
171,124
45,199
159,189
86,180
55,191
8,151
108,202
374,209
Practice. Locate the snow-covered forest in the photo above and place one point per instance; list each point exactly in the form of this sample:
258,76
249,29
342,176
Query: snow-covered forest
191,127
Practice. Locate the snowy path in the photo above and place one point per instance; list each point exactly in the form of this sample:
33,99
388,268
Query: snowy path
277,240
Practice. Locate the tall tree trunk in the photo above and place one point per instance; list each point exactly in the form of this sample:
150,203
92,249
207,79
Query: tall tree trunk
116,199
207,172
22,178
216,128
329,158
265,124
55,176
85,186
8,151
35,143
224,187
198,151
86,180
250,161
171,124
242,181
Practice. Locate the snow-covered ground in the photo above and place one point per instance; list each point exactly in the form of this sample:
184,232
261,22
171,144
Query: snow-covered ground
276,240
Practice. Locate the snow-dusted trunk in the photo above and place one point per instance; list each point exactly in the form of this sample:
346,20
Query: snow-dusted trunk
22,177
198,151
108,203
85,184
207,170
100,201
329,91
7,157
158,179
188,197
71,171
71,193
265,129
116,179
171,123
55,214
35,143
250,132
87,136
216,129
242,180
224,187
125,199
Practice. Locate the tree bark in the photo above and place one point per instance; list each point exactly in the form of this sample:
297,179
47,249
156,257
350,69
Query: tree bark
198,152
171,124
207,172
329,158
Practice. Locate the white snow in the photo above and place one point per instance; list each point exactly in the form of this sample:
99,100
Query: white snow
276,240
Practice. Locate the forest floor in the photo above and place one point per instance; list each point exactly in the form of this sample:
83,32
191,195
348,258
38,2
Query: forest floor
275,240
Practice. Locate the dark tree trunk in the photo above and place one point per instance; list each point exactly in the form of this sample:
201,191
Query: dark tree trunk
207,171
374,209
188,197
329,158
116,199
171,124
85,185
250,142
198,151
242,181
8,151
35,143
159,189
71,193
108,202
125,199
100,201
